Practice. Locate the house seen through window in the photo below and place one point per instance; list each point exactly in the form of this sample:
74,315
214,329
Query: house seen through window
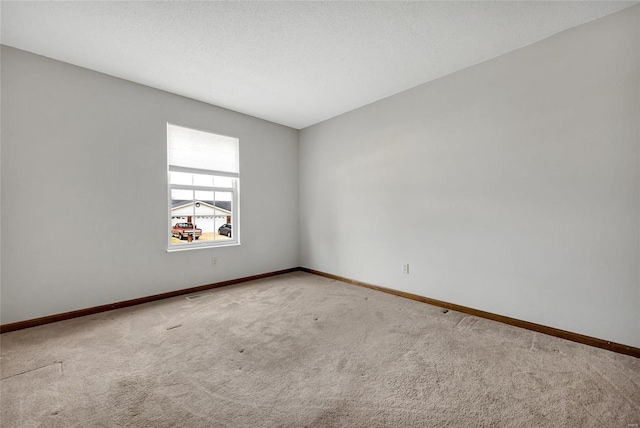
203,170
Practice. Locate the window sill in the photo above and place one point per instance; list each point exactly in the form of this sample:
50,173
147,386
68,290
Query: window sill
201,247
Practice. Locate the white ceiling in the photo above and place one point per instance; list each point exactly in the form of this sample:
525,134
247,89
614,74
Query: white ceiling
294,63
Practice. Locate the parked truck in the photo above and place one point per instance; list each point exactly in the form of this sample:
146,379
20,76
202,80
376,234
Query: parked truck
184,230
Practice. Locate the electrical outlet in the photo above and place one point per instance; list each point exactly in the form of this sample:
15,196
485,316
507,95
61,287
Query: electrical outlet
405,268
214,262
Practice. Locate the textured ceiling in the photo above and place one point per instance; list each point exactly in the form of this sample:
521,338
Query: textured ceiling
294,63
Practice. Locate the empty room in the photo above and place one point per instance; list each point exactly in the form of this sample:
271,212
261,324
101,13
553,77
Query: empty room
320,214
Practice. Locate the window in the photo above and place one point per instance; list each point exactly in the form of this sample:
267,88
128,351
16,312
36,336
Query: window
203,176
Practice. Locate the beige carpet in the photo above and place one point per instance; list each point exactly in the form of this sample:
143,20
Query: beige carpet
300,350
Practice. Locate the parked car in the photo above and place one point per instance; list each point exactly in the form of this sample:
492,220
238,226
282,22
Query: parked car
225,229
183,230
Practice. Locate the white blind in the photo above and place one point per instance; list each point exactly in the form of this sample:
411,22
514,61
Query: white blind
193,149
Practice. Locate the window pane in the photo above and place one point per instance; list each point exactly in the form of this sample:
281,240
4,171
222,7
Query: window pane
202,180
223,196
181,195
204,213
204,195
223,215
223,182
179,178
182,215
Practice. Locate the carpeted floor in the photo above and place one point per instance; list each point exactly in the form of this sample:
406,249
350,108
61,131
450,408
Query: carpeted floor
299,350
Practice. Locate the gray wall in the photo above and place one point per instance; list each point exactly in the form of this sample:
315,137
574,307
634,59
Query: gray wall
84,193
513,185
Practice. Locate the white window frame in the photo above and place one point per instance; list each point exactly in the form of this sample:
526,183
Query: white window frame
234,190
